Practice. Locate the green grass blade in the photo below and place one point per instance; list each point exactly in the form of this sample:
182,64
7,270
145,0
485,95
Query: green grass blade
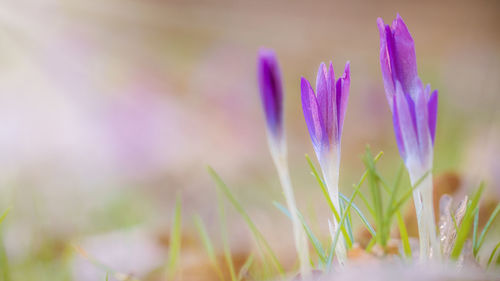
348,223
175,241
364,220
486,228
465,226
329,200
370,244
368,206
407,195
404,234
342,220
207,243
253,228
376,196
225,240
492,255
331,253
4,215
4,261
474,233
395,188
318,248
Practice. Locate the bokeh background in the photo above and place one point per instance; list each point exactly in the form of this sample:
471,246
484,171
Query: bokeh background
110,109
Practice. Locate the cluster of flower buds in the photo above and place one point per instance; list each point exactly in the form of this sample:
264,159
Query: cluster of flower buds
414,111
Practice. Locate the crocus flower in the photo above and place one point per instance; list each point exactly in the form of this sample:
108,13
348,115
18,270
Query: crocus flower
324,113
414,107
271,93
414,112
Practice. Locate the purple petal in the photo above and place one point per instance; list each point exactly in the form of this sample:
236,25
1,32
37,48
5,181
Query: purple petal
422,122
343,86
331,116
397,130
403,57
385,61
314,120
324,97
406,124
432,108
271,91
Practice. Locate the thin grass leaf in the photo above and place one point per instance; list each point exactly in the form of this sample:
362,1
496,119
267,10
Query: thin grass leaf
207,243
373,181
331,253
329,200
474,233
404,235
407,195
4,259
397,181
342,220
370,244
367,204
465,226
349,228
364,220
486,228
175,240
492,255
318,248
107,277
4,215
225,240
253,228
246,266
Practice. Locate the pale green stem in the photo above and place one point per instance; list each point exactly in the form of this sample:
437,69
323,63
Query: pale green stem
279,156
331,175
424,207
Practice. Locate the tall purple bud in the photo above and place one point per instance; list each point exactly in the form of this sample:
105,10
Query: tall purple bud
414,113
324,112
271,93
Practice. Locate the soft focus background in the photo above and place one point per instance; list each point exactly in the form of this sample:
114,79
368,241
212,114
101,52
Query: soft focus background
110,109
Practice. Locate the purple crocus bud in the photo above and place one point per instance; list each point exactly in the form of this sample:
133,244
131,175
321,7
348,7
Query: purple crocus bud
414,108
414,114
324,111
271,92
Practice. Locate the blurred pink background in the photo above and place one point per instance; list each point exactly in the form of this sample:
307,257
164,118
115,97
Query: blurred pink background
125,103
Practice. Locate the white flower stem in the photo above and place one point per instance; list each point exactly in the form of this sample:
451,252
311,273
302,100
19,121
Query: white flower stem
331,175
279,156
424,207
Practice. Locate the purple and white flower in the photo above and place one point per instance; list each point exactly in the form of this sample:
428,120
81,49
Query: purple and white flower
324,112
414,115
